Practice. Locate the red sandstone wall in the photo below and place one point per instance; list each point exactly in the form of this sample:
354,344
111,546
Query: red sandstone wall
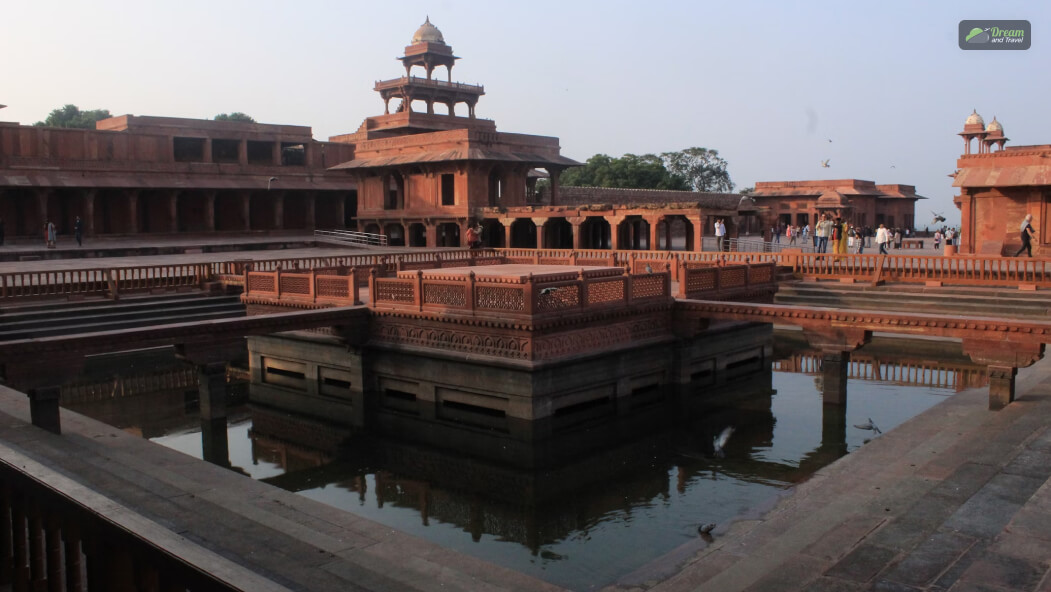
590,195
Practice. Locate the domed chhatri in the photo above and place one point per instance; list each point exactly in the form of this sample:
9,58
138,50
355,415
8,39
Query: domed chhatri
974,119
428,33
995,126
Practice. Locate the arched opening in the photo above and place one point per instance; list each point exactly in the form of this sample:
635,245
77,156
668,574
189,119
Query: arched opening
523,234
372,228
558,234
679,233
492,234
395,234
395,197
495,187
417,235
448,234
441,109
595,233
633,234
294,215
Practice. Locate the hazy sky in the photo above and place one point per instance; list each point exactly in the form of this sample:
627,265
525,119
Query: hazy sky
767,84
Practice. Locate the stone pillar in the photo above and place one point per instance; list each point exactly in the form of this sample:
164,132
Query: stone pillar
211,388
1001,386
206,155
89,211
279,210
698,233
133,211
309,198
834,369
507,222
430,233
578,238
275,153
554,177
242,152
246,210
43,408
540,232
42,197
654,239
209,209
614,231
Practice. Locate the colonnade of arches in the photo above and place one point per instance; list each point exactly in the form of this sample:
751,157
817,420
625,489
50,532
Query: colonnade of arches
631,232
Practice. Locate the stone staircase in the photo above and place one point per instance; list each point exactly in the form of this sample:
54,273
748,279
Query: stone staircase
945,300
46,319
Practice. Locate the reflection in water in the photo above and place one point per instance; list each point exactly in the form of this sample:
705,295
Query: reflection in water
578,516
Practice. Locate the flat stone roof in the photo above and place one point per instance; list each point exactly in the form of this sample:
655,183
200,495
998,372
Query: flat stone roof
512,270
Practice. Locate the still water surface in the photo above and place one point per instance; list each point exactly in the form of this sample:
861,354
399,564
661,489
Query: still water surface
588,522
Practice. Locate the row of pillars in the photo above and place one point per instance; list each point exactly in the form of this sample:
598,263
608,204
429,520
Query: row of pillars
170,199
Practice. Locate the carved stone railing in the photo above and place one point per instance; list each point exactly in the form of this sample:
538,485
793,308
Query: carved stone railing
310,287
527,297
109,282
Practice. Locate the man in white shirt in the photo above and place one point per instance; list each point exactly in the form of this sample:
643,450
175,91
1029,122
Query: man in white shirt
882,238
720,233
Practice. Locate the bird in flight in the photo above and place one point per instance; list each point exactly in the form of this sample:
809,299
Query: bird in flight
824,163
938,217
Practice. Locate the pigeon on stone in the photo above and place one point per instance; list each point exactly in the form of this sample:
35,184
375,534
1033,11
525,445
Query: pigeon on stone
648,268
546,291
706,528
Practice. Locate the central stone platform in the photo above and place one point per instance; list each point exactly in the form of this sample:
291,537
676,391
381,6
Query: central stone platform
520,271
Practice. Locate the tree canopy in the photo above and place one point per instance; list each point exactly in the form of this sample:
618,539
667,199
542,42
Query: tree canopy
697,169
72,116
235,116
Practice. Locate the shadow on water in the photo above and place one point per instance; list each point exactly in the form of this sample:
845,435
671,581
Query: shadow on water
581,508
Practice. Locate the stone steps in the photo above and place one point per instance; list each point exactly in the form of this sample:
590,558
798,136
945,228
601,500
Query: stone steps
46,320
943,300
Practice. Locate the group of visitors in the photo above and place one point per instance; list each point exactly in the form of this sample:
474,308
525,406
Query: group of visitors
51,233
474,236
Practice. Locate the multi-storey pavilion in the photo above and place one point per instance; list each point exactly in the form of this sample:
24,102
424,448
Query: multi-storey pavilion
998,187
862,203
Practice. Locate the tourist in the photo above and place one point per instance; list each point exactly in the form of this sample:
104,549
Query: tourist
821,234
790,234
897,238
49,235
777,234
950,237
806,233
843,226
472,238
836,236
859,239
882,238
937,239
1027,236
78,231
720,234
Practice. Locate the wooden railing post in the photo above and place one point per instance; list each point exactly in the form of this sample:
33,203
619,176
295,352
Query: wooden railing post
277,282
684,276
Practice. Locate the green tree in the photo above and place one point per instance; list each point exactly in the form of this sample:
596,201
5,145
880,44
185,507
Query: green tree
702,169
747,190
72,116
235,116
629,171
